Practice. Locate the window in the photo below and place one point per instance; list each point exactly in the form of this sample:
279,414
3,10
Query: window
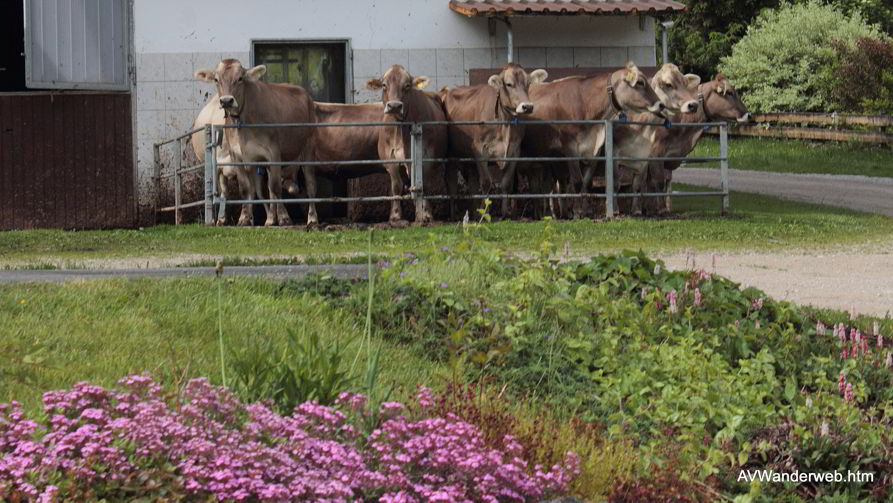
318,66
77,45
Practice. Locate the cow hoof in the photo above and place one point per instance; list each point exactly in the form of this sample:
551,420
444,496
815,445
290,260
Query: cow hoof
269,222
220,222
285,221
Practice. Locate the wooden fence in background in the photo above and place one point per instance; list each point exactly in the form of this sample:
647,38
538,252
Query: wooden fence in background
800,125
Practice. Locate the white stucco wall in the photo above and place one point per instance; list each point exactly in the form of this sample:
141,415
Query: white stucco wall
174,38
229,25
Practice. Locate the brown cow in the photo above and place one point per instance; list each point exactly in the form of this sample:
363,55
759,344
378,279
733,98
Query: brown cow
248,100
404,101
719,102
679,93
597,97
503,98
343,143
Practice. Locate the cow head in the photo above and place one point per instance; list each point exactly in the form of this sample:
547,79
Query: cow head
394,86
678,92
721,101
231,78
512,84
631,92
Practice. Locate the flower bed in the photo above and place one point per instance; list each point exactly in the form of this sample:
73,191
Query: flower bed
204,444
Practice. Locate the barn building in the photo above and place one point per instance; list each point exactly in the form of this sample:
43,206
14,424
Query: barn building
87,86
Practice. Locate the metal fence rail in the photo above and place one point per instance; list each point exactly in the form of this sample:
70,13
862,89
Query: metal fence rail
213,135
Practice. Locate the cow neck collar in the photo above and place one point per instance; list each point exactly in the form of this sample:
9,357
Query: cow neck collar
499,106
614,103
702,102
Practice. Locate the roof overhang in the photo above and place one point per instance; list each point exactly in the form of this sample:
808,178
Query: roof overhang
510,8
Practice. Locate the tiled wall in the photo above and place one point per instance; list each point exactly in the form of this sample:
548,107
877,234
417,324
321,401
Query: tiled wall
449,67
168,97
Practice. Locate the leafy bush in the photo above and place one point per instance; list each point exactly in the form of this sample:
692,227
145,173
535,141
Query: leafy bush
862,77
782,62
690,367
301,369
204,445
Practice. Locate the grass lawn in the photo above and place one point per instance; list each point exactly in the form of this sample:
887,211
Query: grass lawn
756,222
55,335
801,156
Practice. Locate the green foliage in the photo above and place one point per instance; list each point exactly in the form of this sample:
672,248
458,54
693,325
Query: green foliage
706,32
862,77
302,369
782,63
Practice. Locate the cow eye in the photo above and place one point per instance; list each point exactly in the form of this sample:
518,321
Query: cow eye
668,86
509,84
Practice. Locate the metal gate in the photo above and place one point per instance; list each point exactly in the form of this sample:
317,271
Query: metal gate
214,133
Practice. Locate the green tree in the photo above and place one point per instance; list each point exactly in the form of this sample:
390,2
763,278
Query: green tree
782,63
706,32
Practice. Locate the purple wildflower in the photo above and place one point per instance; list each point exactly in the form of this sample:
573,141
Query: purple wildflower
757,304
841,382
671,298
848,394
697,296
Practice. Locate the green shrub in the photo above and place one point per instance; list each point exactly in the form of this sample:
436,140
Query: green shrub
782,63
862,77
290,372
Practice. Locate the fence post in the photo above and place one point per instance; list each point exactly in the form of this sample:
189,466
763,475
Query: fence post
209,174
609,169
178,182
417,153
156,157
724,165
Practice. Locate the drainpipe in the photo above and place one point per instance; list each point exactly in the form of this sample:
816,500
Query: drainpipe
667,25
508,36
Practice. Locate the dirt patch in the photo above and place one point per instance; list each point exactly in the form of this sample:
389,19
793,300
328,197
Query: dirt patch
857,279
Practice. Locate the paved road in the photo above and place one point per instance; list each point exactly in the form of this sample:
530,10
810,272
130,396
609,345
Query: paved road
863,193
347,271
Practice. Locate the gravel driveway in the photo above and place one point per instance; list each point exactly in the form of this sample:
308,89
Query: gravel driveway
863,193
857,279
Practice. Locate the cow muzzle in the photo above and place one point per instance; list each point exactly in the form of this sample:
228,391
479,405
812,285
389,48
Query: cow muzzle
657,108
228,102
744,118
524,108
690,107
394,107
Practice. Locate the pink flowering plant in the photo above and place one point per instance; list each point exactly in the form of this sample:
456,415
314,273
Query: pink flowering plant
204,444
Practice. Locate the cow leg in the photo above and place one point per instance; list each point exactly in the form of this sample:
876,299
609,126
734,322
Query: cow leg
394,171
451,178
223,193
506,184
423,206
278,215
310,182
638,186
667,207
259,184
247,192
578,181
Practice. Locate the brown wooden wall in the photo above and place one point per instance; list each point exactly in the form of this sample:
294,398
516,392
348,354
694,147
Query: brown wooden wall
66,161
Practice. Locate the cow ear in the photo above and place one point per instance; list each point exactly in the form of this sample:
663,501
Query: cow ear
256,73
420,82
721,90
538,76
495,81
374,84
206,75
632,77
692,80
